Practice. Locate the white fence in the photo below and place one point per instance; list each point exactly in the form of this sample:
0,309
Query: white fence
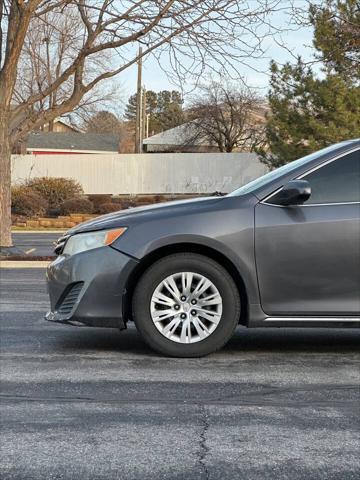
144,173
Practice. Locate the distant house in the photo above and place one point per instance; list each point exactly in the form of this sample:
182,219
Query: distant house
183,138
61,125
176,140
73,142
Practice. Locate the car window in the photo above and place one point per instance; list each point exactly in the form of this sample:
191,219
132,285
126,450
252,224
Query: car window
287,168
337,181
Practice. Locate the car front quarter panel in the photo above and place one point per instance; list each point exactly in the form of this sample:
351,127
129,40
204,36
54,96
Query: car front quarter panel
229,230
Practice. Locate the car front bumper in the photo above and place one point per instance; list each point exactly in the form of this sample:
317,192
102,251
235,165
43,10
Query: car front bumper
89,288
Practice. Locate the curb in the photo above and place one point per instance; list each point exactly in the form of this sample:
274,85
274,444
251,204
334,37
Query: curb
24,263
39,231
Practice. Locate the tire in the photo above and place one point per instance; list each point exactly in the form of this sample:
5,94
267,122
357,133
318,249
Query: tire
200,336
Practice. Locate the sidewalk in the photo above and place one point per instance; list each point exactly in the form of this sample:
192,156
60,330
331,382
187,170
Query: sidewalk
23,263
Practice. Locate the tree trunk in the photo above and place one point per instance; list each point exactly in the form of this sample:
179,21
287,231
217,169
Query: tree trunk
5,182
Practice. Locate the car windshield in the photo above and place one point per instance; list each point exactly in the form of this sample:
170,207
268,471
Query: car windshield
278,172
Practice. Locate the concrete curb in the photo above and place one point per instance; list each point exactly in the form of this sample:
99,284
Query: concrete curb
39,231
24,263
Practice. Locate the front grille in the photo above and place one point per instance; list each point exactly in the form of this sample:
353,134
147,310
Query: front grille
69,298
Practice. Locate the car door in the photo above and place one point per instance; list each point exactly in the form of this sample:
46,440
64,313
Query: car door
308,256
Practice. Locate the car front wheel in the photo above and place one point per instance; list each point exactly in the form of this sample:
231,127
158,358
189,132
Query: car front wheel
186,305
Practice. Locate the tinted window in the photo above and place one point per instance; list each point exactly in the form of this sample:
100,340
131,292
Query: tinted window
336,182
287,168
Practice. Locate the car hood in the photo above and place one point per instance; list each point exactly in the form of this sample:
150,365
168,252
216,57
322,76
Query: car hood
131,215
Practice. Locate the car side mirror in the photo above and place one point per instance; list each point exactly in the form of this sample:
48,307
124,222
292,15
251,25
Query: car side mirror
295,192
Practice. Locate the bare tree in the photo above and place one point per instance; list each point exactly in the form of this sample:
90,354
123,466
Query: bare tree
107,122
227,116
195,33
103,122
50,45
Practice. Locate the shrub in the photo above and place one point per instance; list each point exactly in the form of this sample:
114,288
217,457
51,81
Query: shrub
160,198
145,199
27,202
108,208
127,204
53,212
76,205
99,199
55,190
124,202
118,200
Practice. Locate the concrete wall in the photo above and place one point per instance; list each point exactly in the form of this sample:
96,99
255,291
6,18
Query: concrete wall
146,173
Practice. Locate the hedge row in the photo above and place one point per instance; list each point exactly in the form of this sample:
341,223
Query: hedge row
50,196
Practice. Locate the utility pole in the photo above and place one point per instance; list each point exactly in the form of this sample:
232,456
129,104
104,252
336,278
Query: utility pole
143,116
139,107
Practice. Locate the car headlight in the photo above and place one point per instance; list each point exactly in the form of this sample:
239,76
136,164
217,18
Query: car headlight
87,241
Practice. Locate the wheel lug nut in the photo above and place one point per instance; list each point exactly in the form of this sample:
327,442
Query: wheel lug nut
183,298
183,316
193,301
177,307
193,312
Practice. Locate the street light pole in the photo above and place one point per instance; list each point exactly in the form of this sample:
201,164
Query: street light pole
147,124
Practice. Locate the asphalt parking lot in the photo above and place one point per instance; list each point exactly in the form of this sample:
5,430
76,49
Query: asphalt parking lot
82,403
36,244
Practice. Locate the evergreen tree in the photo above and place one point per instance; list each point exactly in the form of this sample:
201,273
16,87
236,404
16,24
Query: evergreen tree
169,111
130,109
307,112
164,108
337,36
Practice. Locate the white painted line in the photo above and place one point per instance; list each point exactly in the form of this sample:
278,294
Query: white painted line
23,264
30,251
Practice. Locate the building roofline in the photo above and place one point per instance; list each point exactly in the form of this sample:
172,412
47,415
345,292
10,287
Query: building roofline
66,150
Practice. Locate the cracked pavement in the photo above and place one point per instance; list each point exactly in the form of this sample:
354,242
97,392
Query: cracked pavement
82,403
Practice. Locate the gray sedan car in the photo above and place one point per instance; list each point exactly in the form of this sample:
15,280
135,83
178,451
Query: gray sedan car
281,251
